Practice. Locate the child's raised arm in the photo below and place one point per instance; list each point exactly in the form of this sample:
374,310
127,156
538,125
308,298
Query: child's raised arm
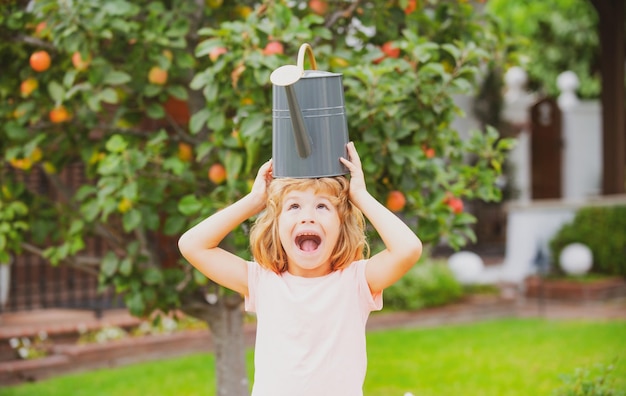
402,247
199,245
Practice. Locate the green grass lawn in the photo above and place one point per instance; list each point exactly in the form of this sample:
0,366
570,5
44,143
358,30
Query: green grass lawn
496,358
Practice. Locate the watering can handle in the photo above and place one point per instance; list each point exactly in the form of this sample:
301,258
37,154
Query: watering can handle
306,49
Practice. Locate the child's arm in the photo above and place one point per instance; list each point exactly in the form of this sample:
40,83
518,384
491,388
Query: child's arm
199,245
402,247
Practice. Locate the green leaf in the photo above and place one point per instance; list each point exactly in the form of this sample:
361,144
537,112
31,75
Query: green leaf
93,102
252,126
131,220
217,121
108,95
109,264
19,208
90,210
178,91
70,78
119,8
126,266
15,131
76,226
174,225
178,28
56,92
200,80
109,165
76,245
189,205
116,144
175,165
234,165
198,120
152,90
134,302
199,278
206,46
155,111
158,138
117,78
185,61
452,50
152,276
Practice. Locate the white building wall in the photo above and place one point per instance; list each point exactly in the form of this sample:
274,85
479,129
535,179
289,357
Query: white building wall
582,156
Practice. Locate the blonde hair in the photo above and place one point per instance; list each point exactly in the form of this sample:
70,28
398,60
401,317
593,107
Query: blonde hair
265,243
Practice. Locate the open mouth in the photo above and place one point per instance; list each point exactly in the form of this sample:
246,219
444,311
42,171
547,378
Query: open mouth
308,242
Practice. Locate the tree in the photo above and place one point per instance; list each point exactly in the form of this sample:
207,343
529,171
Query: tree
165,108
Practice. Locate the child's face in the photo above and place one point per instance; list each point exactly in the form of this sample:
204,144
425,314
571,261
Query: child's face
308,225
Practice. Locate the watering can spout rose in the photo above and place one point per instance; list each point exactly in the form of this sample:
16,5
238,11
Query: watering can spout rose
309,125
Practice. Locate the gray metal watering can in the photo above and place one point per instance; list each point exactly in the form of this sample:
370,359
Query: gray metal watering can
309,130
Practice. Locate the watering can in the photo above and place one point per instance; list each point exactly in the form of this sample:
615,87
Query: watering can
309,126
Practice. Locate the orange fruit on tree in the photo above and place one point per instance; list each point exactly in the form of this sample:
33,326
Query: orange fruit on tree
395,201
273,47
429,152
79,63
243,11
217,173
40,61
39,29
246,101
410,7
216,52
456,204
185,151
157,76
21,163
390,50
28,86
59,114
320,7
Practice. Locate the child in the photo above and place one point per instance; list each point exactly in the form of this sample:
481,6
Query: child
310,285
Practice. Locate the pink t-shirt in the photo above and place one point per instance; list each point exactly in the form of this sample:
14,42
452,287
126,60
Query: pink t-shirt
310,331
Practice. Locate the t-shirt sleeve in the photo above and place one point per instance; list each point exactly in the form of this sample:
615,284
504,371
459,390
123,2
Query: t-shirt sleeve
253,281
374,301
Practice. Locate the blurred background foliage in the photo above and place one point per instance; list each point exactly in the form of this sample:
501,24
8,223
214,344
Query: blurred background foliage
165,107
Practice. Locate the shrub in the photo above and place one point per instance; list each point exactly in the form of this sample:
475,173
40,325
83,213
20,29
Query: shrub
425,285
587,382
603,230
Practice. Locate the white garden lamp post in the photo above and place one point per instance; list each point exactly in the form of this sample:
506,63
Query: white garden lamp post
576,259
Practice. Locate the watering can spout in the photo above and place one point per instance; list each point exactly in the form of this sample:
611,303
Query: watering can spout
286,76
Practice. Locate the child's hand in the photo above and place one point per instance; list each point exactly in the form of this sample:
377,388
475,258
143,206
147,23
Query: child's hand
357,179
261,182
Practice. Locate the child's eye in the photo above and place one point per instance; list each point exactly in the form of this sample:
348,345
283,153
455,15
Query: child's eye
293,206
322,206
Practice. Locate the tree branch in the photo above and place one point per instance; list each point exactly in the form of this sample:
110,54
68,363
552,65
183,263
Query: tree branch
81,263
66,194
34,41
337,15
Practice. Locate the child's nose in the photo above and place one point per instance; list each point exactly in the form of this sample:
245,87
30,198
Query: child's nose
307,216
